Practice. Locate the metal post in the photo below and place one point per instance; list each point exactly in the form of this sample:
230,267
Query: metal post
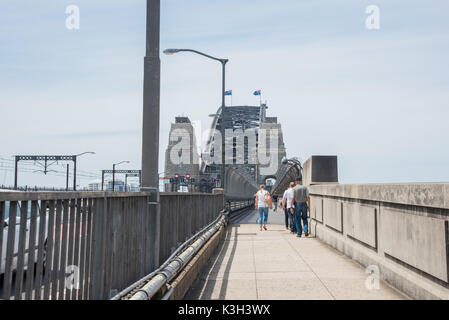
67,179
223,103
140,178
16,171
126,182
74,173
102,180
113,178
151,98
45,165
150,126
223,107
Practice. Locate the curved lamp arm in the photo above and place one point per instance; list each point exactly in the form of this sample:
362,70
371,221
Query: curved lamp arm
173,51
88,152
116,164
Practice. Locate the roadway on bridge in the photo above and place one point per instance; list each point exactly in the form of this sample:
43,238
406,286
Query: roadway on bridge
275,265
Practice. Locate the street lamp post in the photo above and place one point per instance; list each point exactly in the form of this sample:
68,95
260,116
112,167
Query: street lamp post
113,173
126,182
74,166
149,179
151,99
223,103
67,178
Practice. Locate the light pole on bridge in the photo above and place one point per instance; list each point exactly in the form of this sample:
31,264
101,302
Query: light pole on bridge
113,173
150,125
75,158
223,103
151,100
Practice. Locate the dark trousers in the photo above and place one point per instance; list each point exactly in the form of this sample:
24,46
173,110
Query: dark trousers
291,218
287,217
301,214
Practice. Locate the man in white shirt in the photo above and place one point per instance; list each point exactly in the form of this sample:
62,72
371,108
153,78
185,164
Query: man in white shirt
287,207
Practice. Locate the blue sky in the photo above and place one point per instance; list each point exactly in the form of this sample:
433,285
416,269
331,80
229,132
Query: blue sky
376,98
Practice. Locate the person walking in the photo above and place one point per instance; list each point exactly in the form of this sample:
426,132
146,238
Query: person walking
275,201
263,202
301,202
286,206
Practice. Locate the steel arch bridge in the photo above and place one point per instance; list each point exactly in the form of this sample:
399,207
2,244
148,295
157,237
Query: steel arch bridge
243,177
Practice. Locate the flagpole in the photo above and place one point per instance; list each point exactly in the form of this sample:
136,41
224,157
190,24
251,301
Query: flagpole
259,93
229,93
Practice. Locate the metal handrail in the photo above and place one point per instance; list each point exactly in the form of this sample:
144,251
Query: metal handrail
174,255
175,263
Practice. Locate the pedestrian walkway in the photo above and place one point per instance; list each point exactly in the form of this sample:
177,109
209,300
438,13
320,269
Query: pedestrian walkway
275,265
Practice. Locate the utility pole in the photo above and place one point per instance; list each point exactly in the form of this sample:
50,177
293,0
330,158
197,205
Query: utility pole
150,129
223,134
223,103
113,173
67,178
113,177
16,169
151,98
74,173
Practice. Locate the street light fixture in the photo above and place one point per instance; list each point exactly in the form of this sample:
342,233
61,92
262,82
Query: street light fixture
113,173
171,51
74,166
223,105
87,152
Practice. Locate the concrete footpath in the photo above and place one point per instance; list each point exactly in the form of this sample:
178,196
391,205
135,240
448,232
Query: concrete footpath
275,265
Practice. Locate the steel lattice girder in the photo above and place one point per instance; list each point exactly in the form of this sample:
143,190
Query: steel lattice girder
123,171
43,158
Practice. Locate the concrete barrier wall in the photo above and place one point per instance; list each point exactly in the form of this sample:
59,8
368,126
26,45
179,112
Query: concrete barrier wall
401,228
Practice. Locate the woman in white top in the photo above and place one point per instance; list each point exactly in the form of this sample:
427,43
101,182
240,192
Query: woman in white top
263,202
